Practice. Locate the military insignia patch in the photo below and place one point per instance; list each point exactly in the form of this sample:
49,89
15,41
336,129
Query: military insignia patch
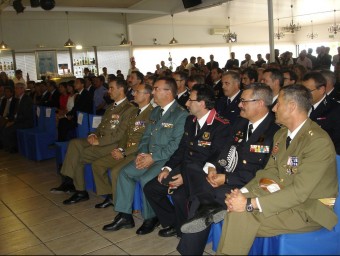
206,135
238,137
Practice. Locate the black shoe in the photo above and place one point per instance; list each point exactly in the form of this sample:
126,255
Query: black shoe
77,197
167,232
204,217
119,222
106,203
148,226
63,188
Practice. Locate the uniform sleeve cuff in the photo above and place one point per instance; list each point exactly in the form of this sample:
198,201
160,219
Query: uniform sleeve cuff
206,166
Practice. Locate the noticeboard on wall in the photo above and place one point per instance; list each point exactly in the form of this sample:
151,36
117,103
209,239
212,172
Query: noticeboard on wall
46,63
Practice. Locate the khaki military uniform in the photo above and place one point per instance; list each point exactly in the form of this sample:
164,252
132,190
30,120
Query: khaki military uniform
306,172
109,132
129,143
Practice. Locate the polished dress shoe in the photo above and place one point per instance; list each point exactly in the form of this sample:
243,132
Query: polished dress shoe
120,221
106,203
148,226
167,232
63,188
204,217
77,197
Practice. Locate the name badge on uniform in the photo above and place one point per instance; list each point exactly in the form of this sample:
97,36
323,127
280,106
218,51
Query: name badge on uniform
202,143
259,149
292,164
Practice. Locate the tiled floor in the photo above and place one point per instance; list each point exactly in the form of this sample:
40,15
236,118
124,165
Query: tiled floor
35,222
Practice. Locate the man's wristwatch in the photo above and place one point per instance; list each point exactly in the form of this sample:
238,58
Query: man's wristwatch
249,206
122,151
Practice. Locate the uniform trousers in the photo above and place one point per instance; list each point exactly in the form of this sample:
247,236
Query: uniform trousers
194,243
80,152
126,183
240,229
100,173
169,213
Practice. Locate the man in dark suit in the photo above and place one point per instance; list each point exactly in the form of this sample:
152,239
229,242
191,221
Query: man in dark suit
216,74
247,151
182,91
325,111
232,62
53,100
89,86
23,118
212,64
135,78
83,102
330,90
160,140
45,94
205,134
274,79
227,106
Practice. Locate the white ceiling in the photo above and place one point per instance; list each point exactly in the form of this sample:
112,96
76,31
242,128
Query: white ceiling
241,12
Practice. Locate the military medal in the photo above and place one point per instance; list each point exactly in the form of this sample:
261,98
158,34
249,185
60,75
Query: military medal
292,164
275,150
206,135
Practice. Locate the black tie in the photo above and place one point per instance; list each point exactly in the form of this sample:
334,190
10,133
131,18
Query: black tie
288,140
228,101
138,112
198,127
250,130
161,113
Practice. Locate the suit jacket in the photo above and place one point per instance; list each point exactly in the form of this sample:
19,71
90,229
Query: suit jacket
114,123
327,116
253,154
213,64
231,63
44,99
53,101
334,95
135,130
24,115
83,103
11,112
183,99
91,91
231,111
313,176
218,90
195,150
162,136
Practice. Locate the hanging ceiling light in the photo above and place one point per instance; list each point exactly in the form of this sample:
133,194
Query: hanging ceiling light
230,37
173,40
292,27
335,28
123,42
312,35
69,43
279,34
3,46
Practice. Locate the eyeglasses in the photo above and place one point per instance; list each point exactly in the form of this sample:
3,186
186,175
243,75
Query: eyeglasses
158,89
313,90
138,92
245,101
192,99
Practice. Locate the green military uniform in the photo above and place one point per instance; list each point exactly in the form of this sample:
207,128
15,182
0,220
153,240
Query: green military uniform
109,132
129,143
306,172
161,138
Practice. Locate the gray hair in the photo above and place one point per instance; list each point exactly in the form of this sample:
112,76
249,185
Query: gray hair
328,75
261,91
234,75
300,95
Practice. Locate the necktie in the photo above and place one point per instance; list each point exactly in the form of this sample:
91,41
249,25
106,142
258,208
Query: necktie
138,112
198,127
160,113
250,130
288,140
228,102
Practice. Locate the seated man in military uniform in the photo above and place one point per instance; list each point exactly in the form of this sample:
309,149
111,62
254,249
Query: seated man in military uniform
247,151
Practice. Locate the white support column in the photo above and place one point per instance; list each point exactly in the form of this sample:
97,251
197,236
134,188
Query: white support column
271,30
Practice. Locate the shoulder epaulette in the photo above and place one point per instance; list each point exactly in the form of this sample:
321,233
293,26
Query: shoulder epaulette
222,120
